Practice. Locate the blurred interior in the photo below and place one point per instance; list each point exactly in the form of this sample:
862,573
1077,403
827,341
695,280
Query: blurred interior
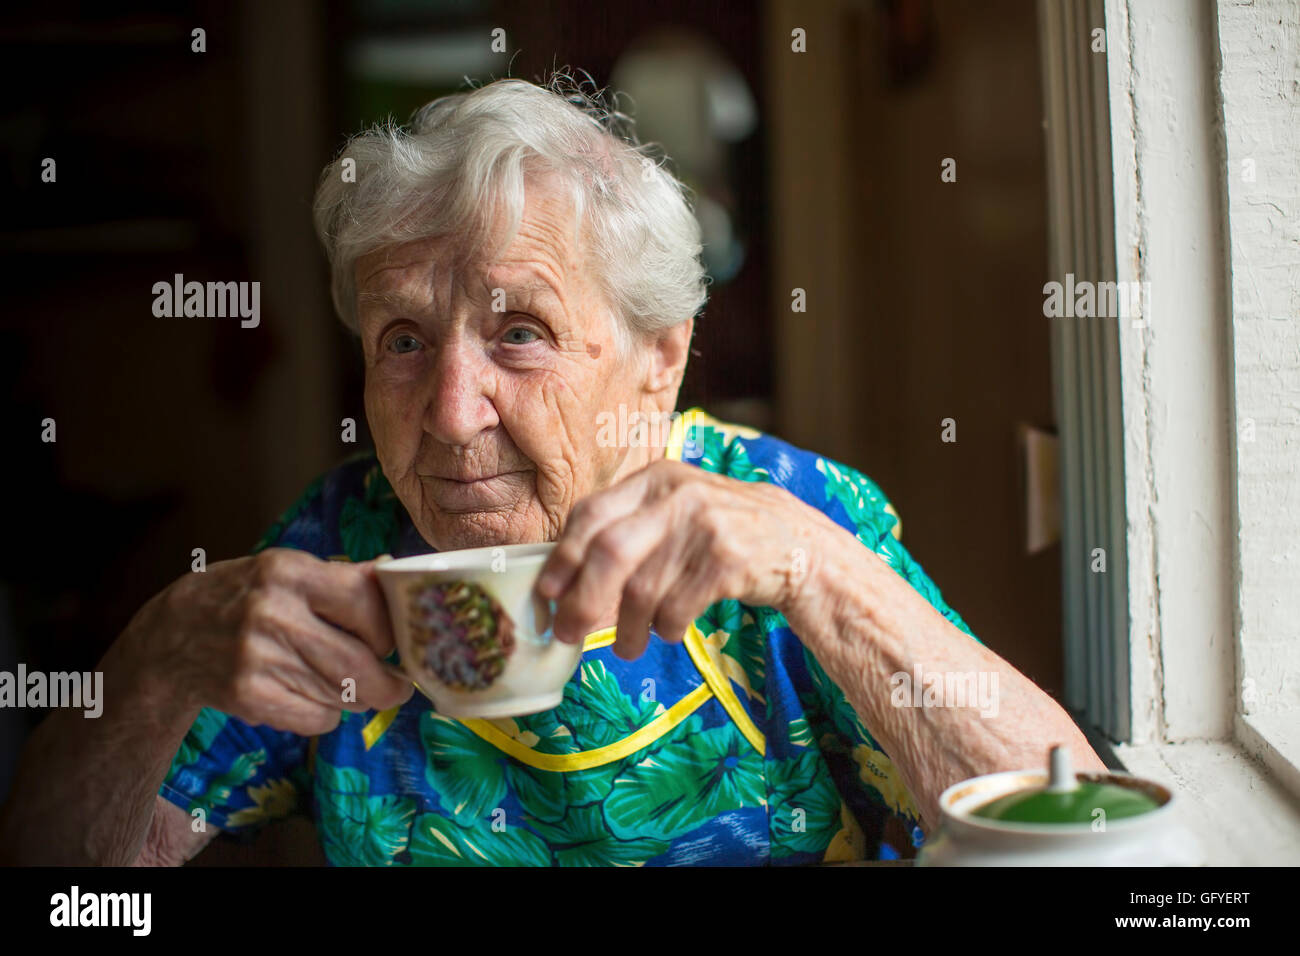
817,170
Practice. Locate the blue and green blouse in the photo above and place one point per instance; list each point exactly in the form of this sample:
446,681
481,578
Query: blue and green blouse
730,748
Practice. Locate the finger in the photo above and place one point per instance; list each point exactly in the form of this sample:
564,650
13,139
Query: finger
346,595
635,610
316,720
591,516
302,681
268,667
696,588
348,667
290,713
611,559
284,673
645,591
281,692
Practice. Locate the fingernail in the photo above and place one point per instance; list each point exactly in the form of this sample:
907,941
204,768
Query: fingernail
548,585
549,633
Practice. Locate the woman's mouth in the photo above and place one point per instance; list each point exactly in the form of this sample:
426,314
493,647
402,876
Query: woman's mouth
457,495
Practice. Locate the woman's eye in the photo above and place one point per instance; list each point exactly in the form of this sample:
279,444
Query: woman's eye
520,335
404,343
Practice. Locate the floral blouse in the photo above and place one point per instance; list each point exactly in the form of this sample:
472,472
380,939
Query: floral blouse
730,748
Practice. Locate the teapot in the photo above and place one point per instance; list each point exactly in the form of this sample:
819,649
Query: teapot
1059,818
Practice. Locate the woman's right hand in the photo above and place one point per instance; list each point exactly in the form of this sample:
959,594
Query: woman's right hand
273,639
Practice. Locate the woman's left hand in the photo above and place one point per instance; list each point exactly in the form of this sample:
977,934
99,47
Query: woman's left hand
667,542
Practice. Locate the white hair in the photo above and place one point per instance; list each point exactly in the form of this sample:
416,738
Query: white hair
461,169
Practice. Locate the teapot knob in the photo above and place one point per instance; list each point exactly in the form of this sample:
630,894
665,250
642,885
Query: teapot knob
1060,773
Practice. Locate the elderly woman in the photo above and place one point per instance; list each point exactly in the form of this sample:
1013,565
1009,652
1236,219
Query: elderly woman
755,633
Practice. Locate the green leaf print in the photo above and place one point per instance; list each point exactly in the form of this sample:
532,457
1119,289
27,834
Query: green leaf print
198,739
464,770
721,458
726,615
685,784
553,735
542,793
805,805
598,715
800,733
368,524
598,711
471,776
843,717
861,499
582,838
740,467
710,447
358,829
769,619
898,558
729,627
365,530
221,787
594,784
439,841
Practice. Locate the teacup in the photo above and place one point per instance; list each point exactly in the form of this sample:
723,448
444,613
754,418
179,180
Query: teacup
471,633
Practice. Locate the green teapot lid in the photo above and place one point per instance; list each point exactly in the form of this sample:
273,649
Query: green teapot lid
1066,799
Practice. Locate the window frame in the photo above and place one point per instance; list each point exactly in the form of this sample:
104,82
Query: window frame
1143,146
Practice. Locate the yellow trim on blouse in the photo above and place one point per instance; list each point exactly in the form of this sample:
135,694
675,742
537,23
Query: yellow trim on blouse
585,759
897,529
599,639
378,726
720,683
716,684
676,437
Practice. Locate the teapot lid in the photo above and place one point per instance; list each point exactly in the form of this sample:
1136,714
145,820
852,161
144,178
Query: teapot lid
1066,799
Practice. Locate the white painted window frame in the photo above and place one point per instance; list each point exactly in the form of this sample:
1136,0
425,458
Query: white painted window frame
1186,648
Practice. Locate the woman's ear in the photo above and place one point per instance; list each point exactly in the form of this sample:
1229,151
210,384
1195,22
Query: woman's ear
669,351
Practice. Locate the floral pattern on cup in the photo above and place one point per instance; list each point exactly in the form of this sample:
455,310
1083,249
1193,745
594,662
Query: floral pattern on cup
462,634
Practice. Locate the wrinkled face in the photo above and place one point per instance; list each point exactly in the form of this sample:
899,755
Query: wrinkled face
484,382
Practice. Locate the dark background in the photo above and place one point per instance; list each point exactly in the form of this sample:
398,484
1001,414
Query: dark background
174,434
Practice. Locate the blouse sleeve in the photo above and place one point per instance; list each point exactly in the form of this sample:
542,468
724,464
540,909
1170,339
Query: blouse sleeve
233,775
868,781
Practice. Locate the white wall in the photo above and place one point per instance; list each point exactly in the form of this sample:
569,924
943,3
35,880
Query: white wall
1260,80
1205,105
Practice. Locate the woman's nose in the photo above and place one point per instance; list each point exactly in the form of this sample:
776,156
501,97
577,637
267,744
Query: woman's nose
459,398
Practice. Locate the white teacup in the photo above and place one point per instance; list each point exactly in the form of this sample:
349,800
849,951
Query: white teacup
472,634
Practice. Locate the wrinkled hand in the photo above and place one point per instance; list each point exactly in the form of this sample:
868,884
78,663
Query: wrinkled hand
672,539
271,638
